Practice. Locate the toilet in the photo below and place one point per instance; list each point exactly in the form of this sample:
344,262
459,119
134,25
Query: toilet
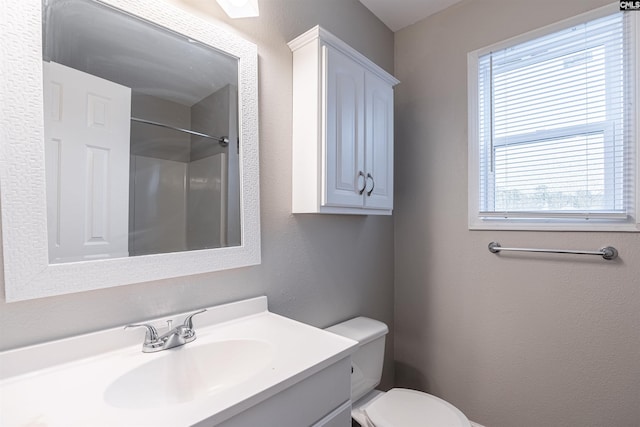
398,407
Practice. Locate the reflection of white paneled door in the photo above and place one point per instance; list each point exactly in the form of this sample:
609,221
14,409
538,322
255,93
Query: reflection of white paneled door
87,127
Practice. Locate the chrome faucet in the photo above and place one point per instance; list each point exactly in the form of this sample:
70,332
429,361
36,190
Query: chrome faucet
174,337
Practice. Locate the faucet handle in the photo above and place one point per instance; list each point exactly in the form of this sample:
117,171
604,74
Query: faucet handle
152,332
188,323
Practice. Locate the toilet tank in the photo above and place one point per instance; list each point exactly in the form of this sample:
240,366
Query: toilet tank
366,361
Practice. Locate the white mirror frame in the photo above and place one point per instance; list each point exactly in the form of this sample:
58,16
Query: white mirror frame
27,272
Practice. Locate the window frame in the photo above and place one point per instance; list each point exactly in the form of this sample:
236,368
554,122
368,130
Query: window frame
541,220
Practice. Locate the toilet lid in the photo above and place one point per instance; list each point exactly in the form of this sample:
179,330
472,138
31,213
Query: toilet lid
410,408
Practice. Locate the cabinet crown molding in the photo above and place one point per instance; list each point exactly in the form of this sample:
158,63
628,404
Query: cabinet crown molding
328,38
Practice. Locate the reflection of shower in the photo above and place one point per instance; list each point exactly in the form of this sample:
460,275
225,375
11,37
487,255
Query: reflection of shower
207,193
196,202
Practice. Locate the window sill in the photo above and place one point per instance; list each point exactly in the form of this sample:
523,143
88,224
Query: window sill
542,225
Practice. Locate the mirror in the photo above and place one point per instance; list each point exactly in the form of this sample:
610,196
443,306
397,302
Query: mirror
129,148
141,140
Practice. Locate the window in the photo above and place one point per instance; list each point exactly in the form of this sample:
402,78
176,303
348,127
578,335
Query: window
552,141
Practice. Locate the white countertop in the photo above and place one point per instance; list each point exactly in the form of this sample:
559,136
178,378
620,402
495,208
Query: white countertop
71,391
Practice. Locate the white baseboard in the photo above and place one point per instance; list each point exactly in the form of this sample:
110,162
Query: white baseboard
475,424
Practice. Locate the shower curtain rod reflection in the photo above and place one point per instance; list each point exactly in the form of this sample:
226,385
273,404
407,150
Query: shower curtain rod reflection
222,140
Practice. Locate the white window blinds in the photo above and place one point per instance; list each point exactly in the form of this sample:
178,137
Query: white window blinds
555,130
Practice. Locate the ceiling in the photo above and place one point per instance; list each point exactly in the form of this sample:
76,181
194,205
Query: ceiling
102,41
397,14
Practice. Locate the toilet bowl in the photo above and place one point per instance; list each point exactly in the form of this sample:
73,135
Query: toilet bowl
398,407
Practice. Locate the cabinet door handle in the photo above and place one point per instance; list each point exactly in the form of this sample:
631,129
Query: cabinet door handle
373,184
364,182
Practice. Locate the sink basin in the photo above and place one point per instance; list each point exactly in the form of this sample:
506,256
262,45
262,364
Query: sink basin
189,372
244,356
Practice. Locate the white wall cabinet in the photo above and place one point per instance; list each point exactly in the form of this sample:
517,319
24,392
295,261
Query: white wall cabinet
342,129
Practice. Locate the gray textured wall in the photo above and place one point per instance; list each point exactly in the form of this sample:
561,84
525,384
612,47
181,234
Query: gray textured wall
316,269
522,341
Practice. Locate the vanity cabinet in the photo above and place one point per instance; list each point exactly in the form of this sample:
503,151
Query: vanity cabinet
321,400
342,129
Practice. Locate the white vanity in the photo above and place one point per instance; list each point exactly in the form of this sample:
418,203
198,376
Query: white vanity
247,367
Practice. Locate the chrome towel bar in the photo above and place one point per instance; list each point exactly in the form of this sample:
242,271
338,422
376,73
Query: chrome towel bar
607,253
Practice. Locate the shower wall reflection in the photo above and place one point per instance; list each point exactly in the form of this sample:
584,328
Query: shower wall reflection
184,191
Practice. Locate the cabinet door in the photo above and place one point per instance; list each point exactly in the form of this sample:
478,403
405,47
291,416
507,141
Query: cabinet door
379,143
343,155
